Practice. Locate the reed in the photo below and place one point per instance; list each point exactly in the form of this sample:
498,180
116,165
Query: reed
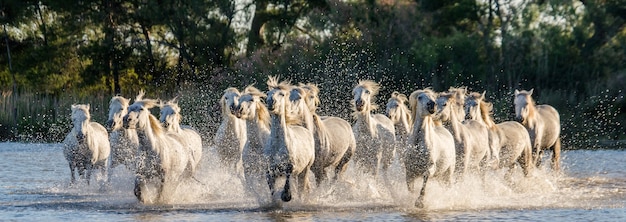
35,117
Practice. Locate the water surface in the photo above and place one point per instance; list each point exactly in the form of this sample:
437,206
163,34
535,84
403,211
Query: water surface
34,185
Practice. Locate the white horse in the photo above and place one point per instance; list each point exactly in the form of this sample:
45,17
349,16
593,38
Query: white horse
290,148
86,146
471,138
124,142
375,134
170,118
162,159
509,140
401,116
543,124
251,109
231,135
431,150
334,140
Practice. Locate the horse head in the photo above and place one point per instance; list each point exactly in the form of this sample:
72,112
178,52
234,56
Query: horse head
364,96
524,105
118,107
249,103
229,100
446,106
80,116
422,103
278,95
473,108
396,107
313,93
138,116
170,113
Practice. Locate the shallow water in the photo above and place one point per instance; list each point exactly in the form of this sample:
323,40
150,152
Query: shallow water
34,185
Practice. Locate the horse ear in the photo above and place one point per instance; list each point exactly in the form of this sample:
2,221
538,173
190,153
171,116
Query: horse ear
530,93
482,96
88,106
516,92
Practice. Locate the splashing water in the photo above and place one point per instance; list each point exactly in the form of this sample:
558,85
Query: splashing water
37,185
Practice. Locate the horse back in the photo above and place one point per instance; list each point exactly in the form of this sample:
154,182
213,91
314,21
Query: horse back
339,130
551,124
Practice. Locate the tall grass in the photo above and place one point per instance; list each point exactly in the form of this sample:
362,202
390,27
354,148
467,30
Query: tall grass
34,117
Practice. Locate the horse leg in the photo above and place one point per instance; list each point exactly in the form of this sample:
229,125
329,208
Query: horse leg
420,200
286,195
556,154
320,174
525,160
89,169
137,189
72,177
161,189
270,175
342,165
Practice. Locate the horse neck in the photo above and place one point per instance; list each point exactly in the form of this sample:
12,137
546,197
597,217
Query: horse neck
366,120
308,118
423,128
278,130
232,124
320,132
150,134
174,126
456,126
405,121
257,130
532,118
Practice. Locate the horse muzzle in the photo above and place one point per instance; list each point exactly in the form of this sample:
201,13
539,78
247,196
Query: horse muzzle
430,107
359,104
80,137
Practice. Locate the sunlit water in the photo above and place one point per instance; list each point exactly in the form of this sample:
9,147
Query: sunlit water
34,185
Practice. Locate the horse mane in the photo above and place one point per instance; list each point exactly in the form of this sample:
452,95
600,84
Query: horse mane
372,86
250,89
401,98
140,95
450,95
272,83
120,99
486,111
155,125
263,115
459,94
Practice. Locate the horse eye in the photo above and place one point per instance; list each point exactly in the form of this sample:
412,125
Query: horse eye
367,92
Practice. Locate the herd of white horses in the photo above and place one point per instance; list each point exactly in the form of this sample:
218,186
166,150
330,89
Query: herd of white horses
264,136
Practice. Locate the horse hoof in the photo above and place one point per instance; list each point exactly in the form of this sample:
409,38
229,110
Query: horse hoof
285,197
419,204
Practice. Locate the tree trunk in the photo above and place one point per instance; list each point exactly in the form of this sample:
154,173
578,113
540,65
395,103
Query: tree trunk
254,35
